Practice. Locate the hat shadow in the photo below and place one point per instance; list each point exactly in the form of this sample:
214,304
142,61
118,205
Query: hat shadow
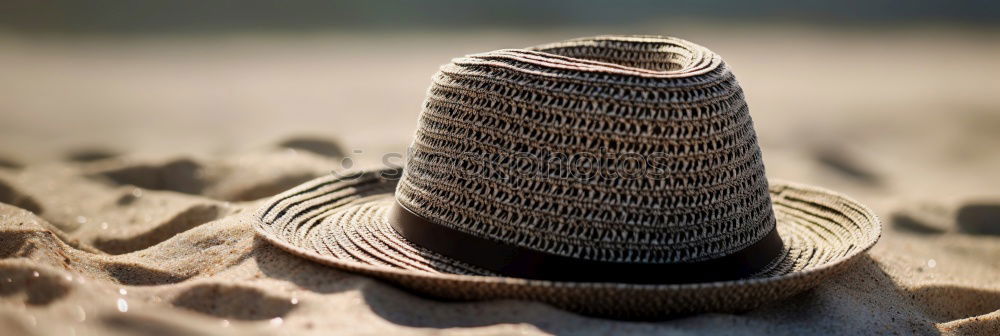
857,288
406,308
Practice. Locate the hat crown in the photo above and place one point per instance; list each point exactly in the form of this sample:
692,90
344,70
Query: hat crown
621,149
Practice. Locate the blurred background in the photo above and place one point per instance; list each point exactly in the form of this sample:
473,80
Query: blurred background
876,98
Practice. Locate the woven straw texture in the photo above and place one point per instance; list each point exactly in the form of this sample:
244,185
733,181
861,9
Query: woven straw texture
651,96
607,97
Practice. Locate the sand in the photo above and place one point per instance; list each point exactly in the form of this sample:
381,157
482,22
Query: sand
118,222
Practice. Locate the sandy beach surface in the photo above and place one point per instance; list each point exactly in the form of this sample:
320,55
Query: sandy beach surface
129,169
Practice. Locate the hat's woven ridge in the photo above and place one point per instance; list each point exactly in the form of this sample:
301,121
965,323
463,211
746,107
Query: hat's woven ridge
603,98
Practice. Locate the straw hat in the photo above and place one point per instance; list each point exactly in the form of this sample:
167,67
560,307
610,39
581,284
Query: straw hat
611,176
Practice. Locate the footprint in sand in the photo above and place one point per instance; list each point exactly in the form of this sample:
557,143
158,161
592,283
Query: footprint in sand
180,175
979,218
842,162
233,179
315,145
38,287
185,220
974,217
945,303
922,218
233,302
10,195
90,154
9,163
138,275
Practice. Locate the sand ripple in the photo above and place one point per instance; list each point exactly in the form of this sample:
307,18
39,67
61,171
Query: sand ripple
170,240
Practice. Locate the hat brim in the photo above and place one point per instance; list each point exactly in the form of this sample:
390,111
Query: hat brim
341,221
